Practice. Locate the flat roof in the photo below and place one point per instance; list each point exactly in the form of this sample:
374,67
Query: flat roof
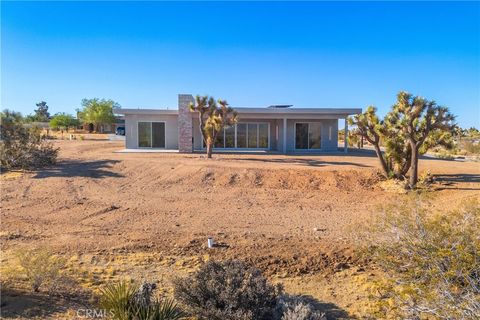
250,110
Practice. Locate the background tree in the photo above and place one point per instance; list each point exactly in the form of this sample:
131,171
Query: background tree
63,121
40,114
213,117
98,112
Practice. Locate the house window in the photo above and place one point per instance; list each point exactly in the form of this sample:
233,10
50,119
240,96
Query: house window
263,135
151,134
244,135
241,135
219,141
252,135
230,137
308,136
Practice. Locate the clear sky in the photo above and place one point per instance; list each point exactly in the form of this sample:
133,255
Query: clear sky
309,54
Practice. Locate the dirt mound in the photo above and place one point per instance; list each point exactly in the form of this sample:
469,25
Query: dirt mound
289,179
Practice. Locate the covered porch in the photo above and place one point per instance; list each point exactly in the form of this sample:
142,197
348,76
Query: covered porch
281,135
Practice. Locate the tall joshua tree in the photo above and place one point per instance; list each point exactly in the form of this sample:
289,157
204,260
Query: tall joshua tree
213,116
413,126
422,123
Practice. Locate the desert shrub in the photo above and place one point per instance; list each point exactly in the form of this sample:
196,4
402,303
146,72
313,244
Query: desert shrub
297,308
471,147
229,290
445,155
40,268
126,301
432,262
22,146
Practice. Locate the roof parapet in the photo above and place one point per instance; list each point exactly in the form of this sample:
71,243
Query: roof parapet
280,106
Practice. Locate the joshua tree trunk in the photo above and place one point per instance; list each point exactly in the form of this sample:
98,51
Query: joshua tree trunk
209,149
380,157
414,166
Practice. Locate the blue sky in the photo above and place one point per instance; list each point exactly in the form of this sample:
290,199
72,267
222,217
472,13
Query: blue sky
309,54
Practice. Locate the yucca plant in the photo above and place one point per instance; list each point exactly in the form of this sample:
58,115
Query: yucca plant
158,310
118,299
121,301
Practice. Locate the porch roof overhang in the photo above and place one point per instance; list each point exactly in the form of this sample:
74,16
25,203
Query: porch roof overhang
262,113
132,111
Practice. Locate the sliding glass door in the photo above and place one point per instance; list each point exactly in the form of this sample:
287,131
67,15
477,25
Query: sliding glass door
241,135
244,136
308,136
151,134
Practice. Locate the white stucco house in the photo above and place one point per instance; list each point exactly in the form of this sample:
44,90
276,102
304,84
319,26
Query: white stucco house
283,129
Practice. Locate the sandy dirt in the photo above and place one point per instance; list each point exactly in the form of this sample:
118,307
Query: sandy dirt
292,216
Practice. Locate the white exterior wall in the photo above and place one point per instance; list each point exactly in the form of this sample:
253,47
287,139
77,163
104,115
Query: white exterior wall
329,141
171,129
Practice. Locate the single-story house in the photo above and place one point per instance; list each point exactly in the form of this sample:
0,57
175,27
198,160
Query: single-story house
279,128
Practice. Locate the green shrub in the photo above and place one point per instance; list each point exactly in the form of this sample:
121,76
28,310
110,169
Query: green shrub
445,155
127,301
229,290
40,268
432,262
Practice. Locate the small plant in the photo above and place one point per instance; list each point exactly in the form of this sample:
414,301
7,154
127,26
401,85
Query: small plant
297,308
40,268
117,299
127,301
471,147
445,155
229,290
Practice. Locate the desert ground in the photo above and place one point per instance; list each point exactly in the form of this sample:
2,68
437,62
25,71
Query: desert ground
147,216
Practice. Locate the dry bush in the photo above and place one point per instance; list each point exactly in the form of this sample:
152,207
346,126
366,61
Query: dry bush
471,147
41,268
297,308
432,259
22,146
229,290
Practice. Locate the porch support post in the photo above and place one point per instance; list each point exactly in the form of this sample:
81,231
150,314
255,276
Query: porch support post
284,136
345,139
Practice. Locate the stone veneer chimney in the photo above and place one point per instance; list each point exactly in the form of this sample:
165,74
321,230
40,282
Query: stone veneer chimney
185,126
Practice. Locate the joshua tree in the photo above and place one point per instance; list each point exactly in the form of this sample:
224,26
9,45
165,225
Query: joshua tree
413,126
418,120
370,127
213,116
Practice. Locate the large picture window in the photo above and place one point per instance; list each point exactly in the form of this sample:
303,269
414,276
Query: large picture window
308,136
243,136
151,134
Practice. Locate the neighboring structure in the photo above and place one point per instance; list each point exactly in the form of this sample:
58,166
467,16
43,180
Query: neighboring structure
276,128
103,128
